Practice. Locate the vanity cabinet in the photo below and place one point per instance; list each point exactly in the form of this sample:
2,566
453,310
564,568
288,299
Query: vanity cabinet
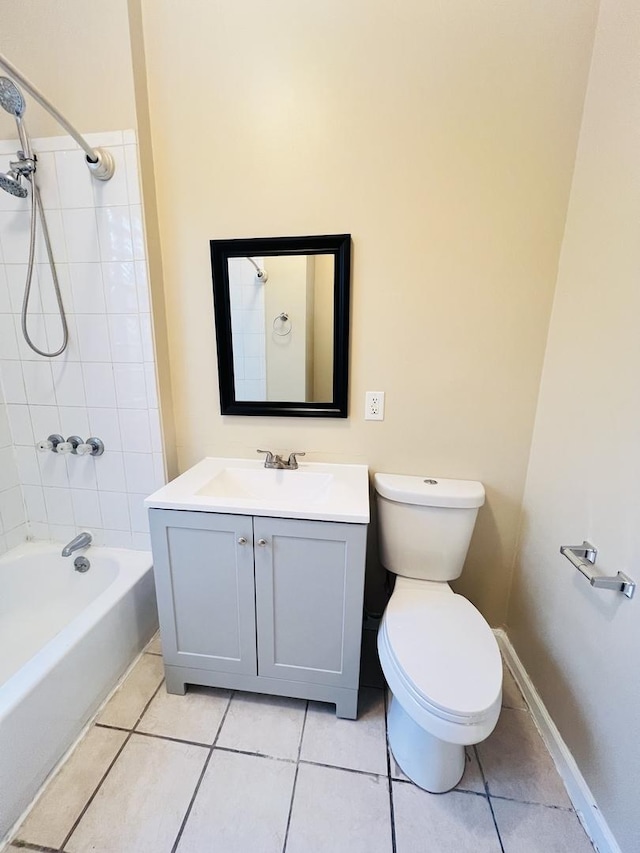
272,605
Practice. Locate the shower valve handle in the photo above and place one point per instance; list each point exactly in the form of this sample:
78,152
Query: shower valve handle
50,443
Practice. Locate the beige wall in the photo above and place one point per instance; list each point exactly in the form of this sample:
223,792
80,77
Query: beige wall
442,137
286,355
77,53
582,646
323,328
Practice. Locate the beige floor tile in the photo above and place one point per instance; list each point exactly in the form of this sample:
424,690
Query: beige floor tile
155,646
338,810
516,763
142,802
442,823
354,744
196,716
266,725
242,805
471,779
511,695
526,828
128,702
61,804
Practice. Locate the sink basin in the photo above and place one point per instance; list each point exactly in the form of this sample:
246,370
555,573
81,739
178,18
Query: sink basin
315,490
267,484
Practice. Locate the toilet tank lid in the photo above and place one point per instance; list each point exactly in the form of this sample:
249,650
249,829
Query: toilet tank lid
429,491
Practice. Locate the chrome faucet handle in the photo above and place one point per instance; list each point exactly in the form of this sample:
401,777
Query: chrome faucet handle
269,458
292,462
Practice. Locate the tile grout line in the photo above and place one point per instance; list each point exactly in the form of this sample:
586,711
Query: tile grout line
566,809
370,773
90,800
450,791
38,848
264,755
112,727
108,770
486,788
389,779
295,779
172,739
205,766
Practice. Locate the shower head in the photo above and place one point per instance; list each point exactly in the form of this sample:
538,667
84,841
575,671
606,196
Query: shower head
11,98
9,183
13,102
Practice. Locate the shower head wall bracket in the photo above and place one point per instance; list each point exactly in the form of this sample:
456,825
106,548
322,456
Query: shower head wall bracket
103,167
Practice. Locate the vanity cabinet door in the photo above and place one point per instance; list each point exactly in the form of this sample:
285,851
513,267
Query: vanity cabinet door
203,566
309,578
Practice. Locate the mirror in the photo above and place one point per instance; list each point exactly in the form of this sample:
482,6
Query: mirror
282,324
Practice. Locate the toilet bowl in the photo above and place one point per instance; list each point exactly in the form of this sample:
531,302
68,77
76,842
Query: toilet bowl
439,656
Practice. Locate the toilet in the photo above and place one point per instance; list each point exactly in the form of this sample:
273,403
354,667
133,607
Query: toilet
438,655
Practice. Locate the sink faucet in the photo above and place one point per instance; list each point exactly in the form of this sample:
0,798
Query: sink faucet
82,540
273,460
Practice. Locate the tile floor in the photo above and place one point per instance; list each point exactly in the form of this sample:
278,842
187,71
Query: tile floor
235,772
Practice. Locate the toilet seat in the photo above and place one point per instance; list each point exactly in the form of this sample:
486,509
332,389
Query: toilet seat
438,652
445,649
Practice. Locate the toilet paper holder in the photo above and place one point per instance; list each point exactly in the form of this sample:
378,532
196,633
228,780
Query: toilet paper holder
583,557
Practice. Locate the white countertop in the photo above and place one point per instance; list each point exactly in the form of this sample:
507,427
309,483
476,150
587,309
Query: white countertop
316,490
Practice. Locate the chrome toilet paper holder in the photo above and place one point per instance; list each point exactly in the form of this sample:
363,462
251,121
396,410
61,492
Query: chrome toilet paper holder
583,557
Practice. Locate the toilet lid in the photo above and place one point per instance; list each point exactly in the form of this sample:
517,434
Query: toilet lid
445,649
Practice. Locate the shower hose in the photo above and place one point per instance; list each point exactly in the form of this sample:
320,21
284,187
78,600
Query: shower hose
36,202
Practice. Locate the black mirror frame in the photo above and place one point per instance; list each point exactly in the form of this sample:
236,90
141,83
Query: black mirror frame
338,245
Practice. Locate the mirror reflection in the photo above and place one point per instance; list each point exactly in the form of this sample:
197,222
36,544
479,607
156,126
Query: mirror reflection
282,324
282,312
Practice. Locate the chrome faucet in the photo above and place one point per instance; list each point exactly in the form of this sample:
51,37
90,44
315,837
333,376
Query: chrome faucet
273,460
82,540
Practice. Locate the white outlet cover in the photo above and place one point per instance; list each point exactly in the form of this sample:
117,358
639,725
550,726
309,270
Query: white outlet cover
374,406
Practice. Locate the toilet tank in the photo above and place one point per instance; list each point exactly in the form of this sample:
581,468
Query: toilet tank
425,525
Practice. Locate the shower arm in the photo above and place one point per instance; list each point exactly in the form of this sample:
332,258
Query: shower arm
261,274
99,161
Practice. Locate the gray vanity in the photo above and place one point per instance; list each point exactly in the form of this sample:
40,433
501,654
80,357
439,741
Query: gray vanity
260,578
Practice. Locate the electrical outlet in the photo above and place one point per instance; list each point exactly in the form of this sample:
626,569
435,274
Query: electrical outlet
374,406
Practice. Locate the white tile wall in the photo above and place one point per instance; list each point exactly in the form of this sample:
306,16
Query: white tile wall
246,295
105,382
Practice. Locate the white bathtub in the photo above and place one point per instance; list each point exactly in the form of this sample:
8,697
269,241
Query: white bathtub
65,639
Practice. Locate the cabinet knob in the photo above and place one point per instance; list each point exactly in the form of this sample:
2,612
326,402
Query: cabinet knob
242,541
262,542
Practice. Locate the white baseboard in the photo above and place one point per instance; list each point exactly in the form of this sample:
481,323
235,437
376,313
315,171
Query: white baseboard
583,801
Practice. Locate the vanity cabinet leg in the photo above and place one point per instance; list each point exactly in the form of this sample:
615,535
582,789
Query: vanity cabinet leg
174,682
347,705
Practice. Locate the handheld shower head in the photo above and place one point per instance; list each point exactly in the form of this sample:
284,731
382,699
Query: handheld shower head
10,183
11,98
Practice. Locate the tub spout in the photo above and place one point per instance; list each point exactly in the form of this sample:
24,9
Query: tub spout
82,540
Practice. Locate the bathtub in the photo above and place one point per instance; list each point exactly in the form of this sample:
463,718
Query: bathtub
65,639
